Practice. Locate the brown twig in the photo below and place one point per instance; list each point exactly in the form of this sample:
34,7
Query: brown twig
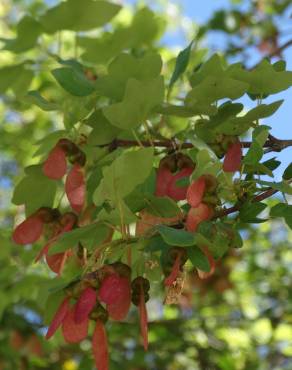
273,144
258,198
281,48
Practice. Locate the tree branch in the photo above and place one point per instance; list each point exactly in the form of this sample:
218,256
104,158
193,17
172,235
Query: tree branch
279,50
273,144
258,198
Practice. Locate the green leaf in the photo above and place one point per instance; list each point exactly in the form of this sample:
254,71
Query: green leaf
219,237
207,151
212,67
156,244
198,259
76,109
227,123
287,175
120,178
283,210
181,64
212,89
271,164
206,164
89,236
52,304
138,198
92,182
162,206
76,15
255,152
34,97
49,141
226,111
15,77
143,29
184,111
103,131
139,100
283,186
249,212
73,81
114,216
28,30
263,79
177,237
126,66
35,190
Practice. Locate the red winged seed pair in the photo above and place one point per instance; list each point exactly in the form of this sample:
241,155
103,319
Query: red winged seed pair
116,292
55,167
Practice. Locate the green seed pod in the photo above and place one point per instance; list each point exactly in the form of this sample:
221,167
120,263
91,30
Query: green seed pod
218,150
46,214
169,162
74,289
184,161
138,282
99,313
79,158
68,146
211,183
211,199
68,217
227,141
122,269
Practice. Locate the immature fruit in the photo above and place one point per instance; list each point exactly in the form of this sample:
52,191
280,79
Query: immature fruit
163,179
29,231
85,304
68,147
112,289
79,158
122,269
68,221
73,332
58,317
169,162
115,291
140,287
167,176
196,191
46,214
140,282
183,161
197,215
55,166
118,311
232,160
75,188
99,313
100,347
179,192
56,262
211,183
179,257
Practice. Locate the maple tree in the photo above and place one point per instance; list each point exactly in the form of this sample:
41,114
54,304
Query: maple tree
149,175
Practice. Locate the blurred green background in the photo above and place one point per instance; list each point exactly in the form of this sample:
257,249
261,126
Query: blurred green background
241,318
